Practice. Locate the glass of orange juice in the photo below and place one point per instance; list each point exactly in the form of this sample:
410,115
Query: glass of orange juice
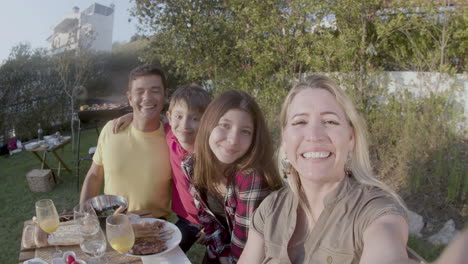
120,232
47,218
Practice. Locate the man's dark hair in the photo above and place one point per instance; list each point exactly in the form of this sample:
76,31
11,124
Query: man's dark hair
145,70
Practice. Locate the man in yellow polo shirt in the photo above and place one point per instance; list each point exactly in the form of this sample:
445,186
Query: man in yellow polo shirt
135,162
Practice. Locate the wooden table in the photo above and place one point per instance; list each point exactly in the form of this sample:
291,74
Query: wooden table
176,256
48,148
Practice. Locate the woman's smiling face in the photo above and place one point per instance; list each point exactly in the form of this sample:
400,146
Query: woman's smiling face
317,136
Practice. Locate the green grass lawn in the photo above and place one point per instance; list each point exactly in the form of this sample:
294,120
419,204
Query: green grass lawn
424,248
18,201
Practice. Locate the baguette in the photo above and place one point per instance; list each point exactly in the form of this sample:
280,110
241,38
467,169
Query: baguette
67,234
28,237
40,237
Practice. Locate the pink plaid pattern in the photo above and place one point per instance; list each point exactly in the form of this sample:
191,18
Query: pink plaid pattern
244,194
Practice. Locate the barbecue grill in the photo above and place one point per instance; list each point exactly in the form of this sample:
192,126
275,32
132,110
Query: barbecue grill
98,113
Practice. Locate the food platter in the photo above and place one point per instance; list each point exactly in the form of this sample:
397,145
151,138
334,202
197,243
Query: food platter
106,204
171,243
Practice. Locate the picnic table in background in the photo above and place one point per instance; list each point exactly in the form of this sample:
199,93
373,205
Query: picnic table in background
40,149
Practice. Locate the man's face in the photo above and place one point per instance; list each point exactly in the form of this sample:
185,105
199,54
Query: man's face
147,96
184,124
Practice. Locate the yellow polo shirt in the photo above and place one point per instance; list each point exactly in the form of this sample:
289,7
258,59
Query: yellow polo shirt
137,167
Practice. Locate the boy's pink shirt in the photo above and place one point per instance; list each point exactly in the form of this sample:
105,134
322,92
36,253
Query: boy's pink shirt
182,201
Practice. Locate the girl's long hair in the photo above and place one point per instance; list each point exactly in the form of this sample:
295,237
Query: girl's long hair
258,158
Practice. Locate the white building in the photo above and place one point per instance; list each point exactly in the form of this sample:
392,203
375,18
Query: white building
91,28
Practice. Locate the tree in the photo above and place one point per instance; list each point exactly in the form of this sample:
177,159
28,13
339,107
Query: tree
74,68
246,42
257,46
29,92
32,91
425,37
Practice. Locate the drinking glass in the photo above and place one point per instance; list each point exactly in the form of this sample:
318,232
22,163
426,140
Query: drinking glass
94,245
93,242
84,213
120,232
48,219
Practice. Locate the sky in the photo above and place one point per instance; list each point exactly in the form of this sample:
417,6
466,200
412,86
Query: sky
33,21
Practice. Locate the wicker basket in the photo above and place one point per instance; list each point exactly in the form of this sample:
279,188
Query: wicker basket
40,180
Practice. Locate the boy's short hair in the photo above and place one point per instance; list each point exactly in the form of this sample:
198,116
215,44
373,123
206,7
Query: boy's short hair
194,96
145,70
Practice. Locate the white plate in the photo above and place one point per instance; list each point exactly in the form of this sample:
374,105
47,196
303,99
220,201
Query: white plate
35,261
31,145
170,244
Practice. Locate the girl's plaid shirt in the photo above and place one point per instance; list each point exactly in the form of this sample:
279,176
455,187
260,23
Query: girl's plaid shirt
244,194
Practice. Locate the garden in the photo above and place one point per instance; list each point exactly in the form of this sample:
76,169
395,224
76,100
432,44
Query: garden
402,62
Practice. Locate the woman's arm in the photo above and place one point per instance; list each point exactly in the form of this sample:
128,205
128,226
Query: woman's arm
385,240
254,251
457,251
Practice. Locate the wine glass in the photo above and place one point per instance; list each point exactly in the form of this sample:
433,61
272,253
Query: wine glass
94,245
93,242
48,219
120,232
84,213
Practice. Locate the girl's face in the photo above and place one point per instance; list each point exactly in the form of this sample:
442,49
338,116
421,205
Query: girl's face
317,136
232,136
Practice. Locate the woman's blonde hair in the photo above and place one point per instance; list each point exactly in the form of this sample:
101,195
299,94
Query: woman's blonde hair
360,165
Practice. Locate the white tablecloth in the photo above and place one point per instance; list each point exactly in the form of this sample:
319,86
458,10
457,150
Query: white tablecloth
175,256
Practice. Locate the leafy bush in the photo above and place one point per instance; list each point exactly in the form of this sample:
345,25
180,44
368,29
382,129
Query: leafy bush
29,93
418,145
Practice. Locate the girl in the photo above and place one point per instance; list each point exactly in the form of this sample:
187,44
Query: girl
230,173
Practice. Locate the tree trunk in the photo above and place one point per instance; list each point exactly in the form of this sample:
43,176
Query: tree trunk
443,41
72,127
362,52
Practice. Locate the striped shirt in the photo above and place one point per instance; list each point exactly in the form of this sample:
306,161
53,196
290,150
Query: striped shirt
244,194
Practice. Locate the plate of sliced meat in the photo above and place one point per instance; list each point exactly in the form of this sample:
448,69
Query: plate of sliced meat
154,237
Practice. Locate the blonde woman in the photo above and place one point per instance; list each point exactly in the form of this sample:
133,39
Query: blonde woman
335,210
